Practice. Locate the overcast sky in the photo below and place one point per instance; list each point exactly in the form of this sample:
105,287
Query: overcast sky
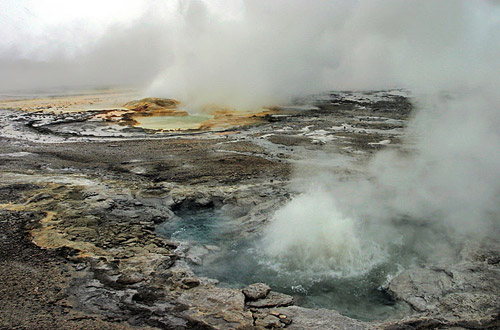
28,27
54,43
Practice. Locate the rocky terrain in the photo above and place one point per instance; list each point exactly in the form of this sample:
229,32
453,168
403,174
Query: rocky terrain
80,200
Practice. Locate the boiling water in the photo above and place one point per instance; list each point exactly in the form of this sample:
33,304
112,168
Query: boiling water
242,261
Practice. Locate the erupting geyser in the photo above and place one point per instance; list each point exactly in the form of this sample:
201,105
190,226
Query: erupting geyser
311,235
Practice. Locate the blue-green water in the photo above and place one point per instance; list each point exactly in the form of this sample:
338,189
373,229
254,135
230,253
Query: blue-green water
202,225
172,122
241,262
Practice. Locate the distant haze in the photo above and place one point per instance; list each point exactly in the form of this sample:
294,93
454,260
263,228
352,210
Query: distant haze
248,53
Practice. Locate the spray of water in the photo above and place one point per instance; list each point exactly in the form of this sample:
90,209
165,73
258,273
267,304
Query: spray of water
310,233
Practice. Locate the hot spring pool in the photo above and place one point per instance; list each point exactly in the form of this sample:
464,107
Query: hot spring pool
193,121
241,262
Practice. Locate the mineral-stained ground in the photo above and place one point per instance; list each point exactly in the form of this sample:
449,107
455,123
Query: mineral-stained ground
81,194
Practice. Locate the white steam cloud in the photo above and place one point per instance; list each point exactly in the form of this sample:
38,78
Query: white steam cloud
451,178
274,50
311,234
55,43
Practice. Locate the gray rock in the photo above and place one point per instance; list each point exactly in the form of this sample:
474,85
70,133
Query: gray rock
196,254
269,321
212,248
273,299
217,308
320,319
465,291
191,282
256,291
285,319
213,299
127,279
420,287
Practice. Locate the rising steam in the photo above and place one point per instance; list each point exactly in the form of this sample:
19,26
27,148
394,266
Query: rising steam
272,50
450,180
310,233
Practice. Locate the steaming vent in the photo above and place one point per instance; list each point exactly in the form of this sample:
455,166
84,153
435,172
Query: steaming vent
311,235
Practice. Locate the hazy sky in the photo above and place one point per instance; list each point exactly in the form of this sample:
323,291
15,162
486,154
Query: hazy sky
54,43
31,27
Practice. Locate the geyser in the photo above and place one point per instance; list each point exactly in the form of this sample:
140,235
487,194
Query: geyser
311,234
338,278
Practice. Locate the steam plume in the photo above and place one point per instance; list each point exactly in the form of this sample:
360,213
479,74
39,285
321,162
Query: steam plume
451,178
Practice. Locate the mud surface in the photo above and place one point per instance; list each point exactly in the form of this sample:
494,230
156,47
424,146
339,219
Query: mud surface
80,201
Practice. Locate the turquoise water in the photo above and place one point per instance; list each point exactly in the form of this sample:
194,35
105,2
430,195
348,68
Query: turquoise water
201,225
172,122
240,262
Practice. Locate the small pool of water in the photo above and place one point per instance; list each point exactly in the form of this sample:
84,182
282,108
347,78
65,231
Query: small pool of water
158,122
201,225
241,262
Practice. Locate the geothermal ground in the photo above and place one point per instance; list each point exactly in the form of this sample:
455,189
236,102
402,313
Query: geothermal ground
108,222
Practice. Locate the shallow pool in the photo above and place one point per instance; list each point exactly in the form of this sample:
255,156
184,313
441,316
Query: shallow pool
241,262
159,122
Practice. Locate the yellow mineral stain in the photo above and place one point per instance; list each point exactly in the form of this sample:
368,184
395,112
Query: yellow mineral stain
225,118
50,234
12,207
50,237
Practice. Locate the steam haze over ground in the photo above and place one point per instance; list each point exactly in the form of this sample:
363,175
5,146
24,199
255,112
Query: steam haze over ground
249,54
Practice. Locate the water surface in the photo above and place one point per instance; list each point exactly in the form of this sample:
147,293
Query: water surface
193,121
241,262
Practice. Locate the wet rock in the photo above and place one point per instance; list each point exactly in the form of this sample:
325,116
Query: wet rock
273,299
269,321
234,211
465,292
170,322
285,319
146,295
214,298
319,319
256,291
176,274
128,279
212,248
217,308
195,254
204,201
190,282
419,287
157,219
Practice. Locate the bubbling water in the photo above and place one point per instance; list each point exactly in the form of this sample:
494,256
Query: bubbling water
311,234
318,255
